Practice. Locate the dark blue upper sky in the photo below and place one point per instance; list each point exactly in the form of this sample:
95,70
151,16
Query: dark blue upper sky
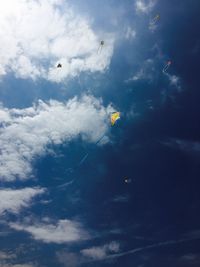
96,218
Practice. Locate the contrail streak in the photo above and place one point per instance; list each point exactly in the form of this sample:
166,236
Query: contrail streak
156,245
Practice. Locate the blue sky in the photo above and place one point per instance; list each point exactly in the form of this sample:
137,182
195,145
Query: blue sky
64,199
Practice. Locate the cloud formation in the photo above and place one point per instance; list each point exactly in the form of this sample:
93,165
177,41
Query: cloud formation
146,72
130,33
64,231
14,200
25,133
188,146
174,81
99,253
36,35
7,259
143,6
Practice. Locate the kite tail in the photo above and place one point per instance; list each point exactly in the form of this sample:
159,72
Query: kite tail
73,170
164,69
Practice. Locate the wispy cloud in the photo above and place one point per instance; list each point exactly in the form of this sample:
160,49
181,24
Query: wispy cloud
121,199
155,245
4,264
130,33
145,72
182,144
25,133
63,231
36,35
14,200
69,259
5,256
174,81
7,259
101,252
144,6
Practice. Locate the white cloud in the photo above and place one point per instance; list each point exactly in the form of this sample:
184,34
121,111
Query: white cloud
14,200
144,6
25,133
130,33
63,231
174,81
99,253
5,256
35,35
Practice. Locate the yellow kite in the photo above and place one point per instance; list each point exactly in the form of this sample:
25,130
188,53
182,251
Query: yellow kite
114,117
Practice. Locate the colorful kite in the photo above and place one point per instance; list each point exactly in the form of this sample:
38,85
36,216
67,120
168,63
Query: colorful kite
114,117
167,65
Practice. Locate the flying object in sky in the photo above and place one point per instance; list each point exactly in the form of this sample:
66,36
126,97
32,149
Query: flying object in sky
127,180
100,46
154,20
59,65
114,117
166,67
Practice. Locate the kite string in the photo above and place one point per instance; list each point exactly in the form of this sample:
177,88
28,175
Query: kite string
83,159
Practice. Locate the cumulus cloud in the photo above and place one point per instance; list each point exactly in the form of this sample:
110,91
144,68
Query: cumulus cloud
64,231
25,133
143,6
36,35
14,200
99,253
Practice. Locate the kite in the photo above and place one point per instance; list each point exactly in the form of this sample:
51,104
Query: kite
166,67
127,180
114,117
59,65
100,47
154,20
102,43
